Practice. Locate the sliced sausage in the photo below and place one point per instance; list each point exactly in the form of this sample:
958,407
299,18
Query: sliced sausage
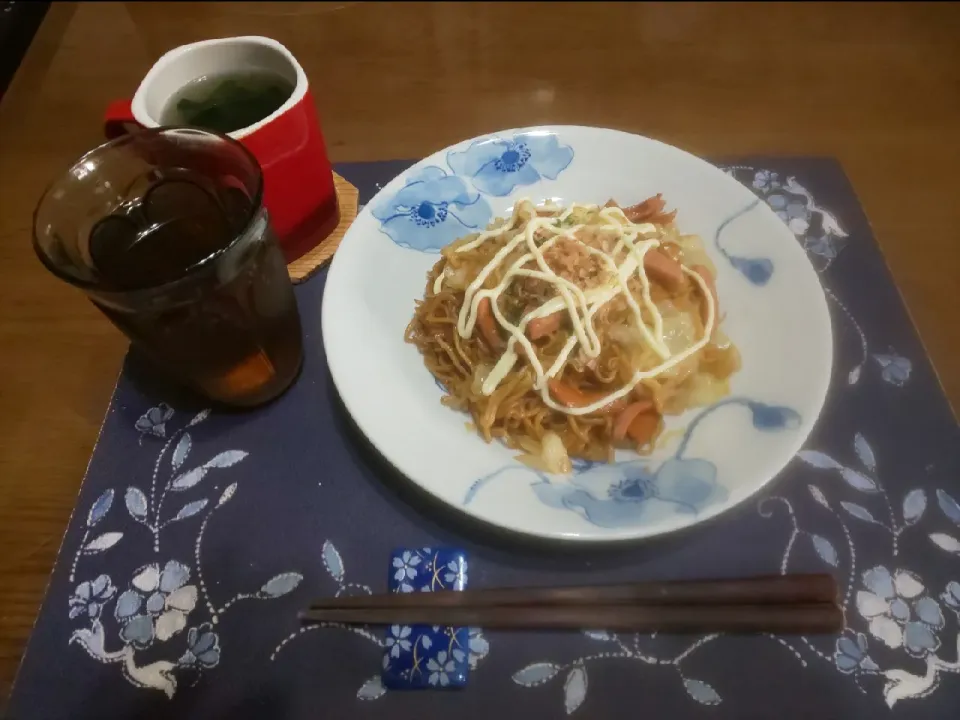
543,326
650,210
662,269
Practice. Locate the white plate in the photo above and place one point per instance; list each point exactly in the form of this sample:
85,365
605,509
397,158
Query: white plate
775,310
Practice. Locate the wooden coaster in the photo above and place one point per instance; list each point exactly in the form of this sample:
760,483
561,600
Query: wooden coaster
306,265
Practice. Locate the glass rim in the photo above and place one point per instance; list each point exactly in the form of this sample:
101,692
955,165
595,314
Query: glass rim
191,270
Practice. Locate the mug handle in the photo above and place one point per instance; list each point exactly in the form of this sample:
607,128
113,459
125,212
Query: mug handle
118,119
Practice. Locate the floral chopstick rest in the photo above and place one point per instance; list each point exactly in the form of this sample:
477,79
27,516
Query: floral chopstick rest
426,656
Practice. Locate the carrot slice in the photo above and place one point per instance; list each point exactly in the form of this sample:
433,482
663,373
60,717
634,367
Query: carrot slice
643,428
542,326
575,398
663,269
627,416
488,324
711,284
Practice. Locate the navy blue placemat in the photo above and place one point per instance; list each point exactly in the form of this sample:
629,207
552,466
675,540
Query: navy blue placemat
198,536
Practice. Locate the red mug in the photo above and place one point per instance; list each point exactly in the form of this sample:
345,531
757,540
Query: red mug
298,181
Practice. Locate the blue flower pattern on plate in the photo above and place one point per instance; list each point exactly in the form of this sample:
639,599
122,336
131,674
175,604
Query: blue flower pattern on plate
432,210
630,494
428,656
496,166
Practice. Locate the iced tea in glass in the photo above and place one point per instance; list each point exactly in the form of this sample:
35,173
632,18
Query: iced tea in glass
165,232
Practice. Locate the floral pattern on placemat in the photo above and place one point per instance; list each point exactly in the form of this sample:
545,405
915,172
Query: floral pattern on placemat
135,590
156,605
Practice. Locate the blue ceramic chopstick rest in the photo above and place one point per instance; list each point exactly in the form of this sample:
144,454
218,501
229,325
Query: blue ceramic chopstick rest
426,656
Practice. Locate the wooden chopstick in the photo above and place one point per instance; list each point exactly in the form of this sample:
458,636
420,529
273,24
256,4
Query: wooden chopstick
802,619
763,590
802,604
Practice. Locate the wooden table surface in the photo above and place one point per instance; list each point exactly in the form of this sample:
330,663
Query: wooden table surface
877,86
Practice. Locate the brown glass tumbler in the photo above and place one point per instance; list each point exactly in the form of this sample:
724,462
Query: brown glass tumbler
166,233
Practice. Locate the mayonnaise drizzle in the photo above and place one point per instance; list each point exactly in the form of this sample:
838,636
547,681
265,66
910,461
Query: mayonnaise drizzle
581,305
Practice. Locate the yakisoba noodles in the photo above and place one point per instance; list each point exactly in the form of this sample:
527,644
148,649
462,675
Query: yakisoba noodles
573,331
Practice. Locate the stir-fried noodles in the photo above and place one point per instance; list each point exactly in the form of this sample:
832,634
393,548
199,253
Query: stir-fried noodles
572,331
